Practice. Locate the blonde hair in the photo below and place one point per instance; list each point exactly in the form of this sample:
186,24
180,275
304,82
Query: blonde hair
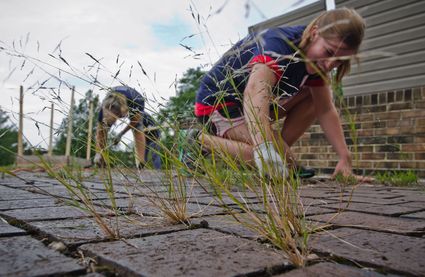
116,103
343,24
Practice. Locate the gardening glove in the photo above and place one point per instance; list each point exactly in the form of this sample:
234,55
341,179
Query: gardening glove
268,161
98,159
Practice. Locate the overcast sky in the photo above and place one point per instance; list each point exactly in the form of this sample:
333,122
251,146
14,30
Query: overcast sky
119,34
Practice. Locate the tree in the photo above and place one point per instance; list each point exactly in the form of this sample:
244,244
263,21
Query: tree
80,127
180,107
8,140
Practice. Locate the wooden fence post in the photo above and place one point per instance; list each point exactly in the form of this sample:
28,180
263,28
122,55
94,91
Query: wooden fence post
21,122
89,131
50,151
69,135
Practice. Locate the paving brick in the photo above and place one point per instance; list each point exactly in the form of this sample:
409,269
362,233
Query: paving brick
78,231
45,213
332,270
165,194
374,222
390,210
165,241
7,230
226,200
20,184
142,205
306,201
60,191
29,203
188,253
364,199
228,224
25,256
7,193
411,196
314,193
394,252
307,209
419,205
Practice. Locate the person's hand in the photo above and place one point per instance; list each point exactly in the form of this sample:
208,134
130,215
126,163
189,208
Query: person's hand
344,167
268,161
98,160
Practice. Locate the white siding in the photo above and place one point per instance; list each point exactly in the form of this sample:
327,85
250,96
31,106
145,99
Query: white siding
393,52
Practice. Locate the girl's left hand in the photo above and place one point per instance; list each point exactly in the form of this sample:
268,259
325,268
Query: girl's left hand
344,167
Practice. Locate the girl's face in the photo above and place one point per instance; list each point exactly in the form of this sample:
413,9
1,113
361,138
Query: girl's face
326,54
111,115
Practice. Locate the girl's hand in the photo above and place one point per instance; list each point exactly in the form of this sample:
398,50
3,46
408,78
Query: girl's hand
344,167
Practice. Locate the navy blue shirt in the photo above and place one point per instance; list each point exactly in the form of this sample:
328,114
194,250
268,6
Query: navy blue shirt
135,101
225,83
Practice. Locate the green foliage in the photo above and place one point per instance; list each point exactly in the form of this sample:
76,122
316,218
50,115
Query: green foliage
122,158
398,178
80,127
180,107
349,180
8,140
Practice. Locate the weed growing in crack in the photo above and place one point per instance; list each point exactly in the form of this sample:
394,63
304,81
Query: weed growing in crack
83,198
398,178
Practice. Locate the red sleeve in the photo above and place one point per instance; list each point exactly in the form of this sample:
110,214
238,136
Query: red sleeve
270,62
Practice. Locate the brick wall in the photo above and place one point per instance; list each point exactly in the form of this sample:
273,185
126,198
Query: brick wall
390,131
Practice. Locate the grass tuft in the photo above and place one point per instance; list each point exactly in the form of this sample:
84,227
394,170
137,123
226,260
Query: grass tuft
398,178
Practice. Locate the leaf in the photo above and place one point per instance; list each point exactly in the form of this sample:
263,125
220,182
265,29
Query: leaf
189,36
191,11
38,127
63,59
187,47
144,72
29,74
27,39
57,47
92,57
116,74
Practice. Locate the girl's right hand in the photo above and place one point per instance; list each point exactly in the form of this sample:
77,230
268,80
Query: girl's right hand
268,161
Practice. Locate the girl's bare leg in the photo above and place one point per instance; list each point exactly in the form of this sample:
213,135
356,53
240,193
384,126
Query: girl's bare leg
139,145
236,142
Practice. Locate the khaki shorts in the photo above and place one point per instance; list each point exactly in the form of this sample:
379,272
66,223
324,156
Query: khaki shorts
223,124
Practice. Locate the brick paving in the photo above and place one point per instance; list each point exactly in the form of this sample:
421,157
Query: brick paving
371,230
